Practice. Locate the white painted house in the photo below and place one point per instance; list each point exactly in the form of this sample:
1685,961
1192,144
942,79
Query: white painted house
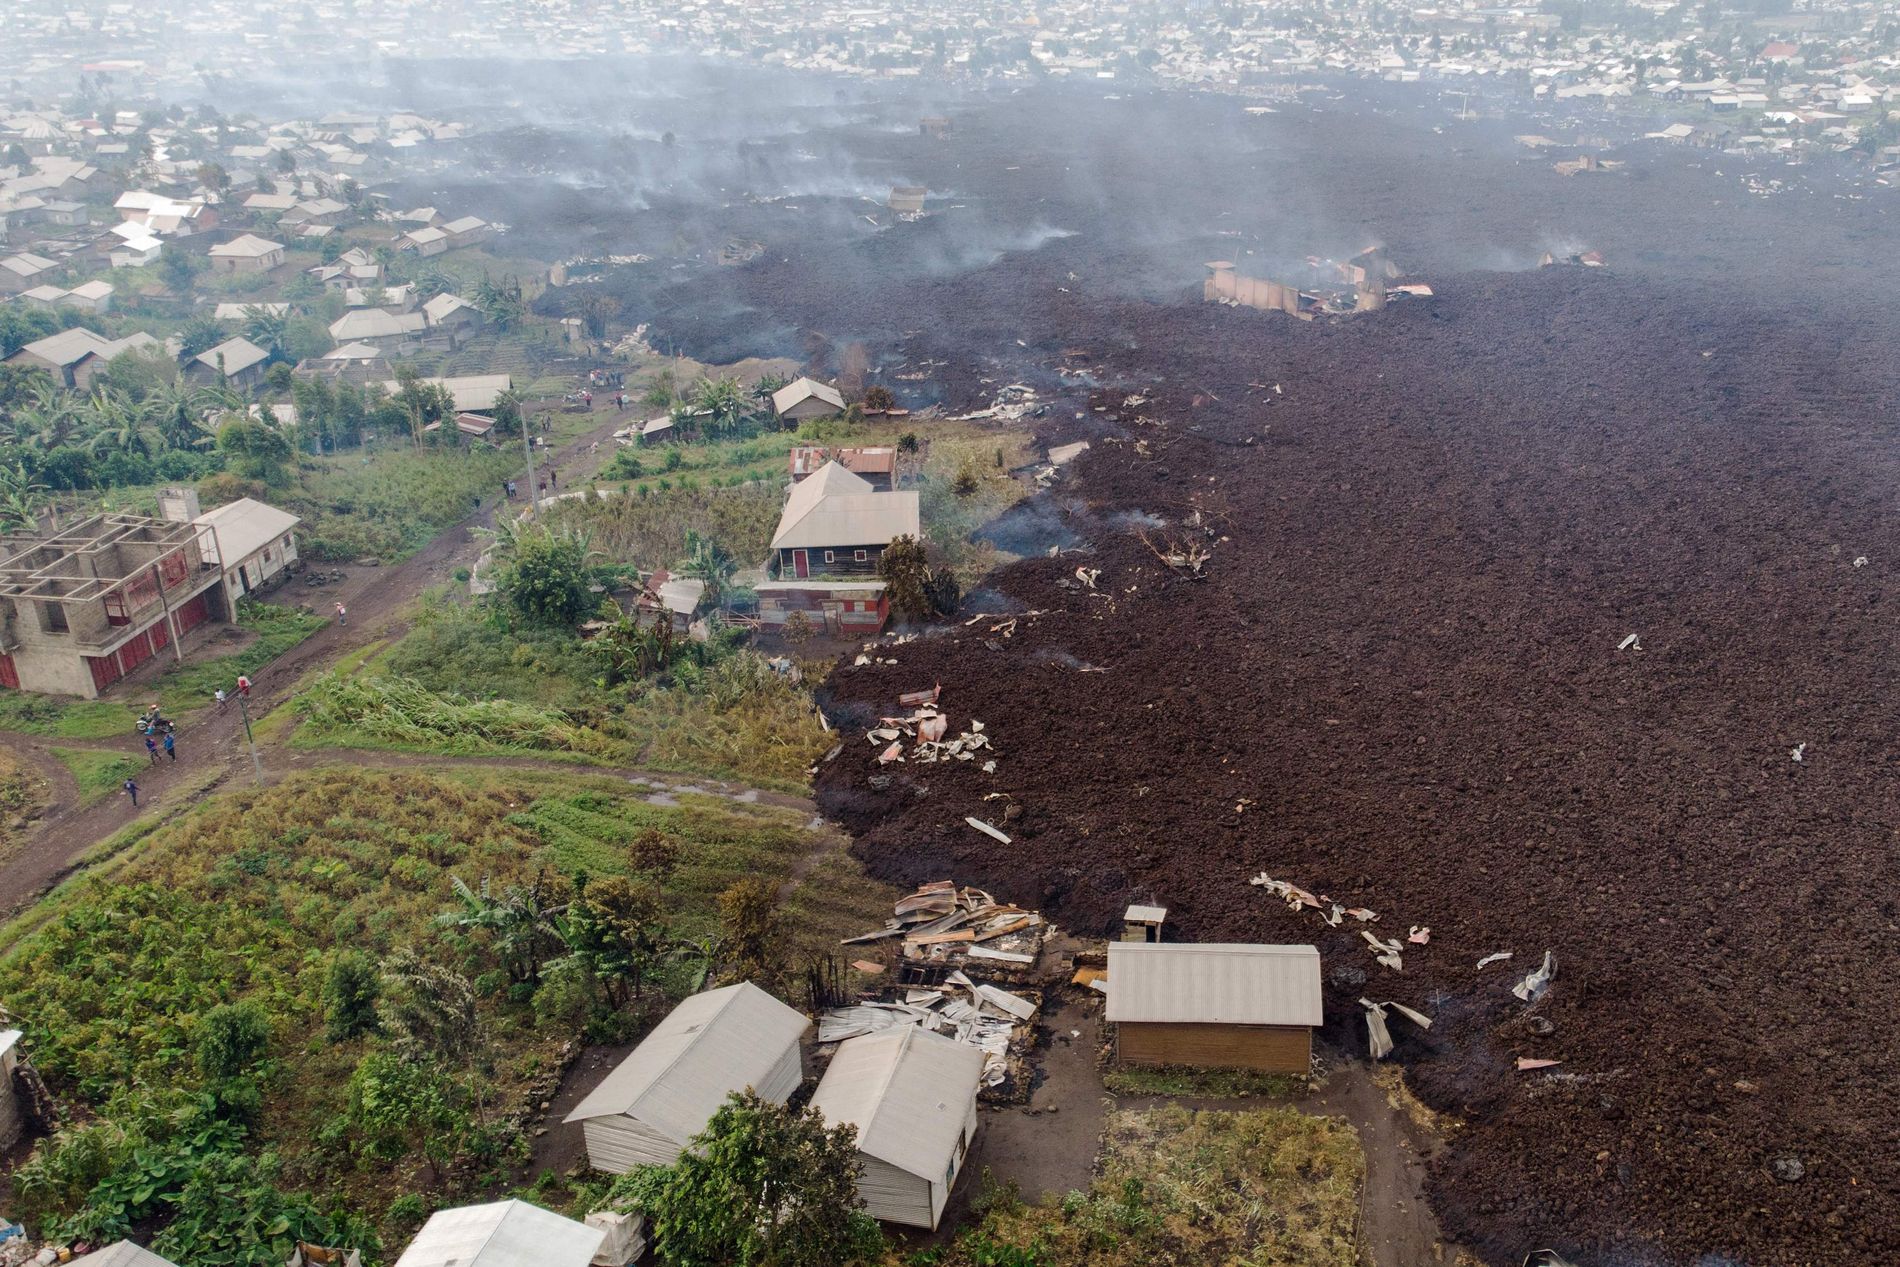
500,1234
912,1096
254,543
664,1093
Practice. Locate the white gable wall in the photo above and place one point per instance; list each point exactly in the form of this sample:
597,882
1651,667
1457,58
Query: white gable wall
618,1143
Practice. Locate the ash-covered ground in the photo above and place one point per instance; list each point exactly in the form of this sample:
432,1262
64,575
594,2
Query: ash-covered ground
1398,682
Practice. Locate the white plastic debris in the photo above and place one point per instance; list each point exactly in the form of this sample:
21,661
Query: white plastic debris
1633,641
1498,956
1860,560
1379,1038
1532,987
1795,753
987,830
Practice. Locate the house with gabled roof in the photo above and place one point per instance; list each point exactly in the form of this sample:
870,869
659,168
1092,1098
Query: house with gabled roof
806,398
237,362
911,1094
717,1042
246,254
834,528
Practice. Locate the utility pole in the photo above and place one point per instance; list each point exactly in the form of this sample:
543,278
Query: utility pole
527,448
244,711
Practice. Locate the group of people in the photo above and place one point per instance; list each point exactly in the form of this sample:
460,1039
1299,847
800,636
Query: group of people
159,731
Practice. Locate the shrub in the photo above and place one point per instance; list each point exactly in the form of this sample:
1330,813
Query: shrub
350,990
547,577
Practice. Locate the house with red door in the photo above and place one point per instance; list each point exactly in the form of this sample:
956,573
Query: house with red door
833,529
84,605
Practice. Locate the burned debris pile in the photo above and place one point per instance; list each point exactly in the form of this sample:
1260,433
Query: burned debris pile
942,927
952,947
1322,288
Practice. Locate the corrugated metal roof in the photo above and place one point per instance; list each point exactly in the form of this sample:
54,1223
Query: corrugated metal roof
833,507
907,1091
69,346
1214,982
122,1254
712,1044
233,356
250,246
799,390
246,526
500,1234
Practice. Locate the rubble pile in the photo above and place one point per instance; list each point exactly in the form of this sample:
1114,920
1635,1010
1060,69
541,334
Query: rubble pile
999,1021
926,729
941,924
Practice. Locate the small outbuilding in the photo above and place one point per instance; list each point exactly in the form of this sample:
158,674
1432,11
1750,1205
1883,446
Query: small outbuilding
912,1096
654,1102
1214,1006
500,1234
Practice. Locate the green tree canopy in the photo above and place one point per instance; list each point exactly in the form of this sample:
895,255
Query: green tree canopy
546,577
762,1186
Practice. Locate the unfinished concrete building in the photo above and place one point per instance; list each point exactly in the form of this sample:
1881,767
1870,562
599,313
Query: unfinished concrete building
83,606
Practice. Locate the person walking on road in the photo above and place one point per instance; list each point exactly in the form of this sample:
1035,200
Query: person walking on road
151,749
224,701
342,617
132,790
170,748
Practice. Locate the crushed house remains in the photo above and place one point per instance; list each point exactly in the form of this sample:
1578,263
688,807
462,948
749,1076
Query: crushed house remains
1329,288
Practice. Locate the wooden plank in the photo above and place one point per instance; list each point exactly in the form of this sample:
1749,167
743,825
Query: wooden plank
937,939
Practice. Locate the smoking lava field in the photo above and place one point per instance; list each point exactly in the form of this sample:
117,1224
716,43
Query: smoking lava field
1401,678
1398,684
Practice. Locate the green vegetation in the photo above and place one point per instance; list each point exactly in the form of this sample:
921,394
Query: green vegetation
273,1003
61,717
1213,1084
472,679
98,772
388,504
1178,1188
648,530
764,1186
